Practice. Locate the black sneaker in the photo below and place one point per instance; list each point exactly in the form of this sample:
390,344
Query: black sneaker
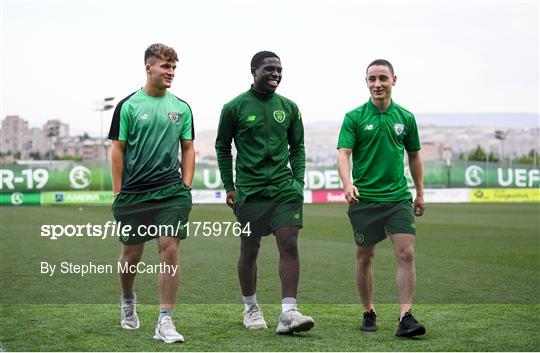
370,321
409,327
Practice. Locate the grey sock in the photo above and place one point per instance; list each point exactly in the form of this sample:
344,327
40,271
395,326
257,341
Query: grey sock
164,312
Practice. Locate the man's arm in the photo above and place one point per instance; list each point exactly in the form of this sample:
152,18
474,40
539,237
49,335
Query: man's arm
297,151
188,161
344,169
117,164
224,138
417,173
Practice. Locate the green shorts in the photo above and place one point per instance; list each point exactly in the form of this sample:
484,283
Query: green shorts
373,221
267,208
162,212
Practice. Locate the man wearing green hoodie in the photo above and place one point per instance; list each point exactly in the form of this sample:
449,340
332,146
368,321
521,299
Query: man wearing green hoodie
267,195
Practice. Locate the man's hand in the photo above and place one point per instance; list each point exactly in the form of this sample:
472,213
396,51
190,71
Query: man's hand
351,194
230,198
419,206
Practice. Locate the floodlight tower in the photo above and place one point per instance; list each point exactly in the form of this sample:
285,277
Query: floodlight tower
501,135
103,105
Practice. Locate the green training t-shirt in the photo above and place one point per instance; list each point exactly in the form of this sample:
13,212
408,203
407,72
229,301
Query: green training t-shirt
377,140
152,128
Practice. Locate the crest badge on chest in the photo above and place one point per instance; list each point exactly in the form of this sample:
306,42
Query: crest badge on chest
173,116
279,116
398,128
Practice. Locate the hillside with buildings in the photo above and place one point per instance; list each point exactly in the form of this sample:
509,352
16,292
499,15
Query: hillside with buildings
438,142
53,139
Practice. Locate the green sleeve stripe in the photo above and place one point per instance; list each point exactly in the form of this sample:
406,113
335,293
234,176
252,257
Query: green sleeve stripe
188,130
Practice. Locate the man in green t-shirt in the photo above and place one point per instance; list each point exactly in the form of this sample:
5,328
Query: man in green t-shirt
267,195
151,196
376,135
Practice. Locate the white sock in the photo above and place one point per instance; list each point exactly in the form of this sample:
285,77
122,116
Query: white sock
248,301
288,304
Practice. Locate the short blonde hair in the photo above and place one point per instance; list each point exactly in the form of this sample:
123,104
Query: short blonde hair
160,51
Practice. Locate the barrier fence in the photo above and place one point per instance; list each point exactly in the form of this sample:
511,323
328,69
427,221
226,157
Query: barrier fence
34,176
457,195
71,182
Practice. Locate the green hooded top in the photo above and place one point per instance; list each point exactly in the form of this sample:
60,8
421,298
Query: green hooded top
268,135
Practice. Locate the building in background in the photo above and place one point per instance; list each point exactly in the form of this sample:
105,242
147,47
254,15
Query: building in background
51,141
15,135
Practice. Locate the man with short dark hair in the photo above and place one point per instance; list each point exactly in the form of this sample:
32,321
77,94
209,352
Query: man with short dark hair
267,195
146,130
376,135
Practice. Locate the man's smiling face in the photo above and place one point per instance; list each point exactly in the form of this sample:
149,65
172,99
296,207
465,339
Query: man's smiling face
268,75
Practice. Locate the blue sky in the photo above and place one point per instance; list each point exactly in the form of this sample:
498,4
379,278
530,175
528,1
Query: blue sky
60,57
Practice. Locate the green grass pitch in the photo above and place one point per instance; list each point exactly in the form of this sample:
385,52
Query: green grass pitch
478,287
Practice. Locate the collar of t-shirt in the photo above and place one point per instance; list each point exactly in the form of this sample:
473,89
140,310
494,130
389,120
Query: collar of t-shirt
259,94
374,110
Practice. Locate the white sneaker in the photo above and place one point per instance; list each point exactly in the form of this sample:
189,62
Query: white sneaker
128,313
292,321
166,331
253,318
